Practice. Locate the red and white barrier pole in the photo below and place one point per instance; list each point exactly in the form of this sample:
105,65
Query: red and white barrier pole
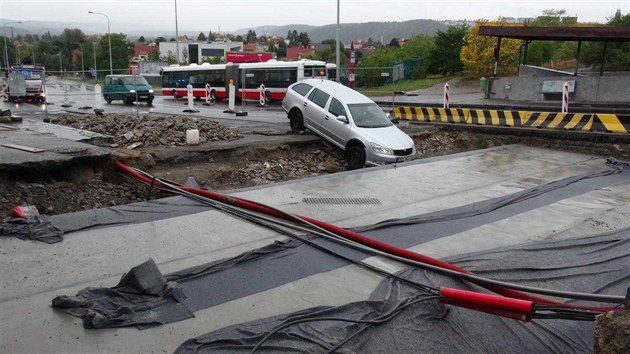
565,98
208,95
446,96
262,95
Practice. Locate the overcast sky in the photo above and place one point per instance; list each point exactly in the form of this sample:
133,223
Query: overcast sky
230,15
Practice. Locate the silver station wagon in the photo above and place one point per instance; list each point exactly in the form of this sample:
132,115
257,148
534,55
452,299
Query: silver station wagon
349,120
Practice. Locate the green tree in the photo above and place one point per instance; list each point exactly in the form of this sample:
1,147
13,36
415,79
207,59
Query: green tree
251,37
121,53
282,50
478,53
444,57
169,57
332,43
201,37
141,39
394,43
159,39
211,36
292,37
303,39
154,55
617,53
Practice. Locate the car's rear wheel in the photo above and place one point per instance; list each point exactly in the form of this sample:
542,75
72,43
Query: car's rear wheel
128,100
355,157
296,121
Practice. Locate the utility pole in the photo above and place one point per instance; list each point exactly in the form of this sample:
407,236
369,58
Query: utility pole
338,58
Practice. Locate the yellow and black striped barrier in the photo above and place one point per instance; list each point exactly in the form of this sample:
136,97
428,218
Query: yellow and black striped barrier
588,122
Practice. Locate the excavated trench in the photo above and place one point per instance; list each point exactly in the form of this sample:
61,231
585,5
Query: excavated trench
97,185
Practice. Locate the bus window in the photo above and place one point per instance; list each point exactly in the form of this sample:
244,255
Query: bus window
314,71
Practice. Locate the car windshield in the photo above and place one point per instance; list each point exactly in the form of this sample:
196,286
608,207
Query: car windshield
368,115
134,80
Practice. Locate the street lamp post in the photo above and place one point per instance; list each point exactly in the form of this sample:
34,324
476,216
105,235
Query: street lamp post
338,56
6,52
94,52
109,36
176,34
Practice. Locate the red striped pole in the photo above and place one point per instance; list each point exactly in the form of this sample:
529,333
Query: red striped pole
565,98
446,98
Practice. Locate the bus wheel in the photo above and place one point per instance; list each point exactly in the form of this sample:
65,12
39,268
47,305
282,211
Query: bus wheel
174,94
268,96
213,95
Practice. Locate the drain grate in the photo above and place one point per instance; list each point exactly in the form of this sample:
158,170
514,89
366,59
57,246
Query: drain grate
342,201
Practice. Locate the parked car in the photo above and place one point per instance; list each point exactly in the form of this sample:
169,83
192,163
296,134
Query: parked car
348,120
128,88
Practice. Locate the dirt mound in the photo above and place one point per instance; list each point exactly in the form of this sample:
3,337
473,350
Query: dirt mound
149,130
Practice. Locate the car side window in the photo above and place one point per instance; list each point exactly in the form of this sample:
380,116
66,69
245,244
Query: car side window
108,80
319,97
337,109
302,89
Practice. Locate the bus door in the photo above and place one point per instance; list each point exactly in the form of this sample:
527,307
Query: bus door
231,73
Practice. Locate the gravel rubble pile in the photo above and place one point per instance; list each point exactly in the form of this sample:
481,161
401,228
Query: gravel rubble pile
58,197
298,166
149,130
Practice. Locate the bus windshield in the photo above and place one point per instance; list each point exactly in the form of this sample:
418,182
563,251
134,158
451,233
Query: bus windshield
314,71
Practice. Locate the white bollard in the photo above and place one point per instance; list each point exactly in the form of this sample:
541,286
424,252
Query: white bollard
232,100
84,99
262,95
98,97
565,98
66,100
190,97
446,96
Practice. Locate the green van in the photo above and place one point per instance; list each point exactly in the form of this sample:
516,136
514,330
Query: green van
128,88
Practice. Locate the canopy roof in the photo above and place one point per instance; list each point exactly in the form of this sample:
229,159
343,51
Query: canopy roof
610,34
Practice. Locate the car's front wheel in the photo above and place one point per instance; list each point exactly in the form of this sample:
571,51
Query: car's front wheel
108,99
296,121
355,157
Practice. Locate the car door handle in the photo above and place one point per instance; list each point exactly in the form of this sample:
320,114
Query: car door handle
326,117
305,104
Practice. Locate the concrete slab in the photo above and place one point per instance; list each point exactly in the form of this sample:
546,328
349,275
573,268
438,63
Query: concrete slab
33,273
57,152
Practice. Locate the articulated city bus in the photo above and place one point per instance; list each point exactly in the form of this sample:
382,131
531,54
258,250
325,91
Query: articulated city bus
276,76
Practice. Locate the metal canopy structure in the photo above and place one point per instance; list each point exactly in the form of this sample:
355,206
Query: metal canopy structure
579,34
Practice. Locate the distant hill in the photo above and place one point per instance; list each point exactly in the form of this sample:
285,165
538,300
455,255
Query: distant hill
350,31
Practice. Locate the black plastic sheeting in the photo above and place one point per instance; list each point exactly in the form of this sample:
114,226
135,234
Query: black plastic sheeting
36,228
284,262
51,229
597,263
262,273
144,297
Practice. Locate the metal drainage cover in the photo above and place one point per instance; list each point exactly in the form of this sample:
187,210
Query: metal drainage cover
342,201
